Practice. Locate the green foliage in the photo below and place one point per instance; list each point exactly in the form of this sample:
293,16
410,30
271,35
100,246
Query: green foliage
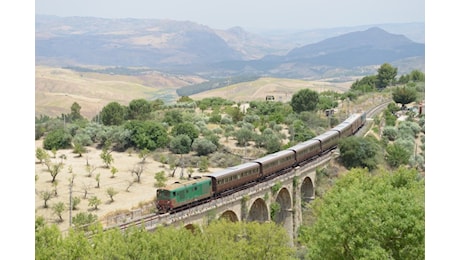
147,134
160,178
111,192
327,100
390,132
41,154
203,164
404,95
139,109
417,76
180,144
173,117
358,152
366,216
82,220
203,146
244,135
275,208
94,201
304,100
186,128
79,149
364,85
219,240
57,139
106,157
276,187
75,202
75,112
58,209
396,155
385,76
113,114
390,118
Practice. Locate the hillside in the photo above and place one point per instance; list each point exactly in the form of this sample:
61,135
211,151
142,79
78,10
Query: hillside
281,88
56,89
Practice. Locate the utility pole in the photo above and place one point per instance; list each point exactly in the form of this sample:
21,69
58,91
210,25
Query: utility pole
70,202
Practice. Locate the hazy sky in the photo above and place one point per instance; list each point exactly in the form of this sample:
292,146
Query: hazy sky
249,14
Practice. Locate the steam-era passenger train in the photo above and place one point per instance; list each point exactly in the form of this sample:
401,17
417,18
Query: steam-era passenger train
186,194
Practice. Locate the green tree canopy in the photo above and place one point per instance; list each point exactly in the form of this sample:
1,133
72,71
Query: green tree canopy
186,128
57,139
139,109
369,216
358,152
404,95
113,114
386,75
147,134
304,100
75,112
180,144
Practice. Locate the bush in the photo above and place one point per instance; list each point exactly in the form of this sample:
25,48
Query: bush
57,139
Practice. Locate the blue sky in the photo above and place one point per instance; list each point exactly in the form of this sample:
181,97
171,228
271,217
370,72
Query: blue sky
249,14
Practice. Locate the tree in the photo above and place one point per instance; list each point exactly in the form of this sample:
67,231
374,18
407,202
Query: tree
75,112
386,75
79,149
139,109
111,192
404,95
186,128
203,146
94,202
83,219
396,155
45,196
113,114
113,170
58,208
147,134
358,152
138,172
41,154
161,179
304,100
369,216
54,168
57,139
106,157
75,202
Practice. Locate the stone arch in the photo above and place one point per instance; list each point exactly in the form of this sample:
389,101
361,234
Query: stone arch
258,211
229,215
284,200
307,190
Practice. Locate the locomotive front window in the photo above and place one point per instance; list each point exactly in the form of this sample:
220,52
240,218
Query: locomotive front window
163,194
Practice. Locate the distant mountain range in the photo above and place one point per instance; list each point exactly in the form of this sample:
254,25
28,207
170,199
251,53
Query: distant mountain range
187,47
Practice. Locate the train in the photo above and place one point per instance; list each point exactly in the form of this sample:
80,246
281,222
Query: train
188,193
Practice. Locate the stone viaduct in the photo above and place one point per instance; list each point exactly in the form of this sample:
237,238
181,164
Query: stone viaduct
279,199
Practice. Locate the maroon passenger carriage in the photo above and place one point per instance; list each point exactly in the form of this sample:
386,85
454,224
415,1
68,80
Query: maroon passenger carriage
306,151
233,177
276,162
